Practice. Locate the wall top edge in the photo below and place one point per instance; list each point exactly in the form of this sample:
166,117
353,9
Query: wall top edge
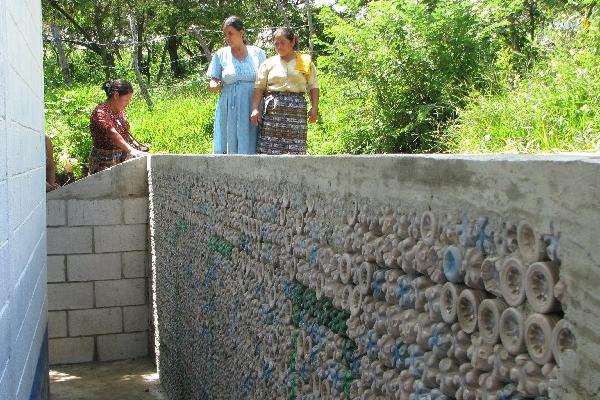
559,189
129,179
555,157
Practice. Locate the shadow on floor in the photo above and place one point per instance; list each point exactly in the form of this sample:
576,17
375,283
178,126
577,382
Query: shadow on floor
123,380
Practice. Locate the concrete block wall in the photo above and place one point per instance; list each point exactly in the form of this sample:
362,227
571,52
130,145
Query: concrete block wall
23,343
97,257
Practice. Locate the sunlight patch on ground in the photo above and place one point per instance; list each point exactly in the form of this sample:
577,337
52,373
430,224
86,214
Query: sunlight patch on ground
56,376
150,377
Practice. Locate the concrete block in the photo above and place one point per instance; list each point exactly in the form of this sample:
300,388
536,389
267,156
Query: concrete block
6,334
15,201
15,142
93,267
69,240
70,296
57,324
125,292
25,107
32,345
71,350
3,66
29,292
5,284
108,239
134,264
56,269
96,321
122,346
136,210
8,383
3,140
3,206
135,318
24,241
56,213
94,212
29,142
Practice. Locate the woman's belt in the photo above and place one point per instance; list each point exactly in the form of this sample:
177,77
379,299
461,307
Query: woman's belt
291,99
275,93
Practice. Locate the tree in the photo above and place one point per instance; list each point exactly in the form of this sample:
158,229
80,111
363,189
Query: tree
94,24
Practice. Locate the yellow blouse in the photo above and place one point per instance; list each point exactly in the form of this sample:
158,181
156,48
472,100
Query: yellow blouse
276,75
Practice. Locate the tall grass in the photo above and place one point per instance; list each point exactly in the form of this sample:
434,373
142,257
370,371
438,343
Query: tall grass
181,121
556,108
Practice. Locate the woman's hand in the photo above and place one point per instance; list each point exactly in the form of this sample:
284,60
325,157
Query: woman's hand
51,186
255,117
134,153
214,85
313,114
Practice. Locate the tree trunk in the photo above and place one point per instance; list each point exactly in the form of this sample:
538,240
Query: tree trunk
144,64
108,59
108,62
202,42
136,67
286,20
172,45
161,68
64,65
531,5
311,27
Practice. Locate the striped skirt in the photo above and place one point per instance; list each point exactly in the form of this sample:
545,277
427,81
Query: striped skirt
101,159
283,126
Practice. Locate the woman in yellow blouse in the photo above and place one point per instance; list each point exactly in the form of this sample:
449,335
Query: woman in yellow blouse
282,81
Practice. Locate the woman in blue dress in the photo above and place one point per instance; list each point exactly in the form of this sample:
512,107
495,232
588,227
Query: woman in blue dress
232,71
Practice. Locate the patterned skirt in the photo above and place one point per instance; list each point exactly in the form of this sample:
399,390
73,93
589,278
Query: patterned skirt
101,159
283,126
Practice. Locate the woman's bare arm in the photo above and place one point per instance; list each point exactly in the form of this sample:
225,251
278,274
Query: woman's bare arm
121,143
256,98
314,105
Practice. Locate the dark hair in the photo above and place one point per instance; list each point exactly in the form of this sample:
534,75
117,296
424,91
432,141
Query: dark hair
236,23
289,34
120,86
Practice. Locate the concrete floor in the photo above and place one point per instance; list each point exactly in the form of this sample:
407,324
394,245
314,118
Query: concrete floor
123,380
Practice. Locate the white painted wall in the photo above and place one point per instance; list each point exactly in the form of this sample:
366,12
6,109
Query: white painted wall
23,301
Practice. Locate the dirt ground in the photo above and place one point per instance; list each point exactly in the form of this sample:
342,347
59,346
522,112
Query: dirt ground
123,380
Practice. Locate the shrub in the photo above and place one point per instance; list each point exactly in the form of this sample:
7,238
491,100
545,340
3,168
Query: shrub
553,108
406,66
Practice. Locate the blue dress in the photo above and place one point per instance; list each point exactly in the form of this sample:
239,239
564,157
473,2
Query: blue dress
233,131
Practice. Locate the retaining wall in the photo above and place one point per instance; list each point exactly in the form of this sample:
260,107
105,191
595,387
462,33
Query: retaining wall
97,263
377,277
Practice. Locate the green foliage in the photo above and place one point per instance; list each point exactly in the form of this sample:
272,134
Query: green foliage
181,121
406,65
395,75
555,107
163,28
346,123
68,125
